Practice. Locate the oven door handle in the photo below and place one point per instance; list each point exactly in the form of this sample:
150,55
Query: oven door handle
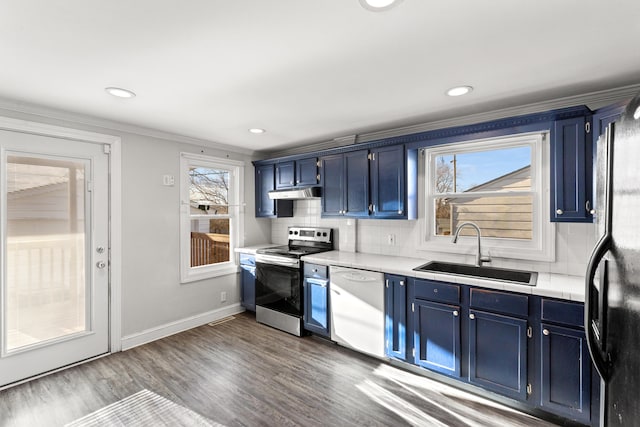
317,282
276,260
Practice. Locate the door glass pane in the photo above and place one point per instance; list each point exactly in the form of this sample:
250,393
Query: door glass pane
45,250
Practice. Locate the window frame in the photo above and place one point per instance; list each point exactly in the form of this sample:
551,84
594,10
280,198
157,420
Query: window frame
542,245
235,215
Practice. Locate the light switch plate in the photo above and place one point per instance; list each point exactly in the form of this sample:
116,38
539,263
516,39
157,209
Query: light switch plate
168,180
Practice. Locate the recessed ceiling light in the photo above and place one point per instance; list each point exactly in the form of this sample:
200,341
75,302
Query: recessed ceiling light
379,5
257,130
459,90
119,92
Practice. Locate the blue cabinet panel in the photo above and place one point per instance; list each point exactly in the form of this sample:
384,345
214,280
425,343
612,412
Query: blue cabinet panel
566,373
316,299
388,186
307,172
571,172
265,207
332,180
356,183
285,175
396,316
498,353
499,302
436,291
248,282
437,337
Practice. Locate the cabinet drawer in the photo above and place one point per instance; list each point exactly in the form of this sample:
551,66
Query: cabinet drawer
246,259
500,302
316,270
437,291
568,313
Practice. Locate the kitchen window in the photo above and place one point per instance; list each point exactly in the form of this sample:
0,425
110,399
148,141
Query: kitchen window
211,223
499,184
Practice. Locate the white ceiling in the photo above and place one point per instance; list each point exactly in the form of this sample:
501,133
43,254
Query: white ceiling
308,70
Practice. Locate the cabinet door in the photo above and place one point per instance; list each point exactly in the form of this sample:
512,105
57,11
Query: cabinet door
498,353
601,119
307,172
316,305
265,182
571,173
248,287
395,318
357,183
388,195
437,336
566,373
285,175
332,178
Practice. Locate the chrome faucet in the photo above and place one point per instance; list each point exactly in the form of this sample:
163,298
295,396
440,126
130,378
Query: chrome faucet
479,258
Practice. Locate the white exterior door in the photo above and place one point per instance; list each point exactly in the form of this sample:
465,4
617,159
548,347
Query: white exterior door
54,236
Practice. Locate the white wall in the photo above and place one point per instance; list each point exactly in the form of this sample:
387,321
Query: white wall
152,295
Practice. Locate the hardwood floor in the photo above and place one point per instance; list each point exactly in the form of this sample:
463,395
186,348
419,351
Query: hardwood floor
241,373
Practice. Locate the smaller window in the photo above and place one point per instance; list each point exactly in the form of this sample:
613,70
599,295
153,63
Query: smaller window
210,215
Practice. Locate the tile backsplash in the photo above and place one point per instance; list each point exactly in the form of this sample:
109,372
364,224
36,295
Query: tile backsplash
574,241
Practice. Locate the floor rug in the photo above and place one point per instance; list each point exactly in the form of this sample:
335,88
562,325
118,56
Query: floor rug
144,408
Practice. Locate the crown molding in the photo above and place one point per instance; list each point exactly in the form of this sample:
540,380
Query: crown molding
109,125
593,100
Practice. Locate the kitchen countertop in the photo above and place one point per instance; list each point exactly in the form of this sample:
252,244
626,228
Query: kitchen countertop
552,285
549,284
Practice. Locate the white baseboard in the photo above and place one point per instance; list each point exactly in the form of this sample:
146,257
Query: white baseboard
172,328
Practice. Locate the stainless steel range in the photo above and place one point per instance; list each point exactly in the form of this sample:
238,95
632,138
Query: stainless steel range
279,276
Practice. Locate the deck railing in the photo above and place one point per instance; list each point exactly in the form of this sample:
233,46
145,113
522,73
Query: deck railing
209,248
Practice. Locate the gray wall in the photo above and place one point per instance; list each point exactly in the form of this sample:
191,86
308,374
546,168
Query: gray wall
152,295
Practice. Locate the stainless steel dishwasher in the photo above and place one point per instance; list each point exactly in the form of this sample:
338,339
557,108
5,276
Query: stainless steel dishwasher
357,309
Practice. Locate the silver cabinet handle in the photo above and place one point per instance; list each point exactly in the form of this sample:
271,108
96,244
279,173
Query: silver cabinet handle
401,282
588,208
101,264
545,332
455,313
559,211
399,212
472,316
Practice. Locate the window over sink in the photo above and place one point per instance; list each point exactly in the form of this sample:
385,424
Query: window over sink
501,185
210,220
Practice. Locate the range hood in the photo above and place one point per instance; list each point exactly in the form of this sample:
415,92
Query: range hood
295,193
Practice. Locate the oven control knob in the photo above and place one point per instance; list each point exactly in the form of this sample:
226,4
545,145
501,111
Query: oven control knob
290,231
318,233
295,232
324,234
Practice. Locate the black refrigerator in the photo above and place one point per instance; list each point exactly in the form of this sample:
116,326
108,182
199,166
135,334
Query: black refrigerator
612,300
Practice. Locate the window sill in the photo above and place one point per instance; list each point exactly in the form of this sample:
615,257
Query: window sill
209,273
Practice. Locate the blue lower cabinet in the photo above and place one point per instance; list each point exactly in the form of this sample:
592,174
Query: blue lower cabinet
316,306
498,353
566,373
248,282
437,336
395,318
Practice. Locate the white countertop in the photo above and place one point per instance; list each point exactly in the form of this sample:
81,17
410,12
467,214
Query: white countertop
549,285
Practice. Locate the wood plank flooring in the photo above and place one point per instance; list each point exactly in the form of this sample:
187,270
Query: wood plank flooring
241,373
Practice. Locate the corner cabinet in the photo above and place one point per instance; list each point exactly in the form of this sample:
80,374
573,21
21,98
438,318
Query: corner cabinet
571,171
316,299
266,207
395,316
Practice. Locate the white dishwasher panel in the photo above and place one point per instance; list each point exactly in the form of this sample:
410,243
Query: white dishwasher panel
357,309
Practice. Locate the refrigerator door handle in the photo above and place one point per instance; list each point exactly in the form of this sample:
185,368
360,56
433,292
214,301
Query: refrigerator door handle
592,332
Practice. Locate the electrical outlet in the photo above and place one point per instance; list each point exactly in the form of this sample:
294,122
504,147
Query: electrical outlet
391,239
168,180
223,296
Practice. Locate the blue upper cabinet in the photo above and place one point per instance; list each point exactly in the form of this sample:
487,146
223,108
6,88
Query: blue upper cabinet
285,175
571,171
376,183
265,180
307,172
388,187
345,184
265,207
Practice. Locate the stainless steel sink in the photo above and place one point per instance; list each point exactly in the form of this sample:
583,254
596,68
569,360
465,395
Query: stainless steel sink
519,277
